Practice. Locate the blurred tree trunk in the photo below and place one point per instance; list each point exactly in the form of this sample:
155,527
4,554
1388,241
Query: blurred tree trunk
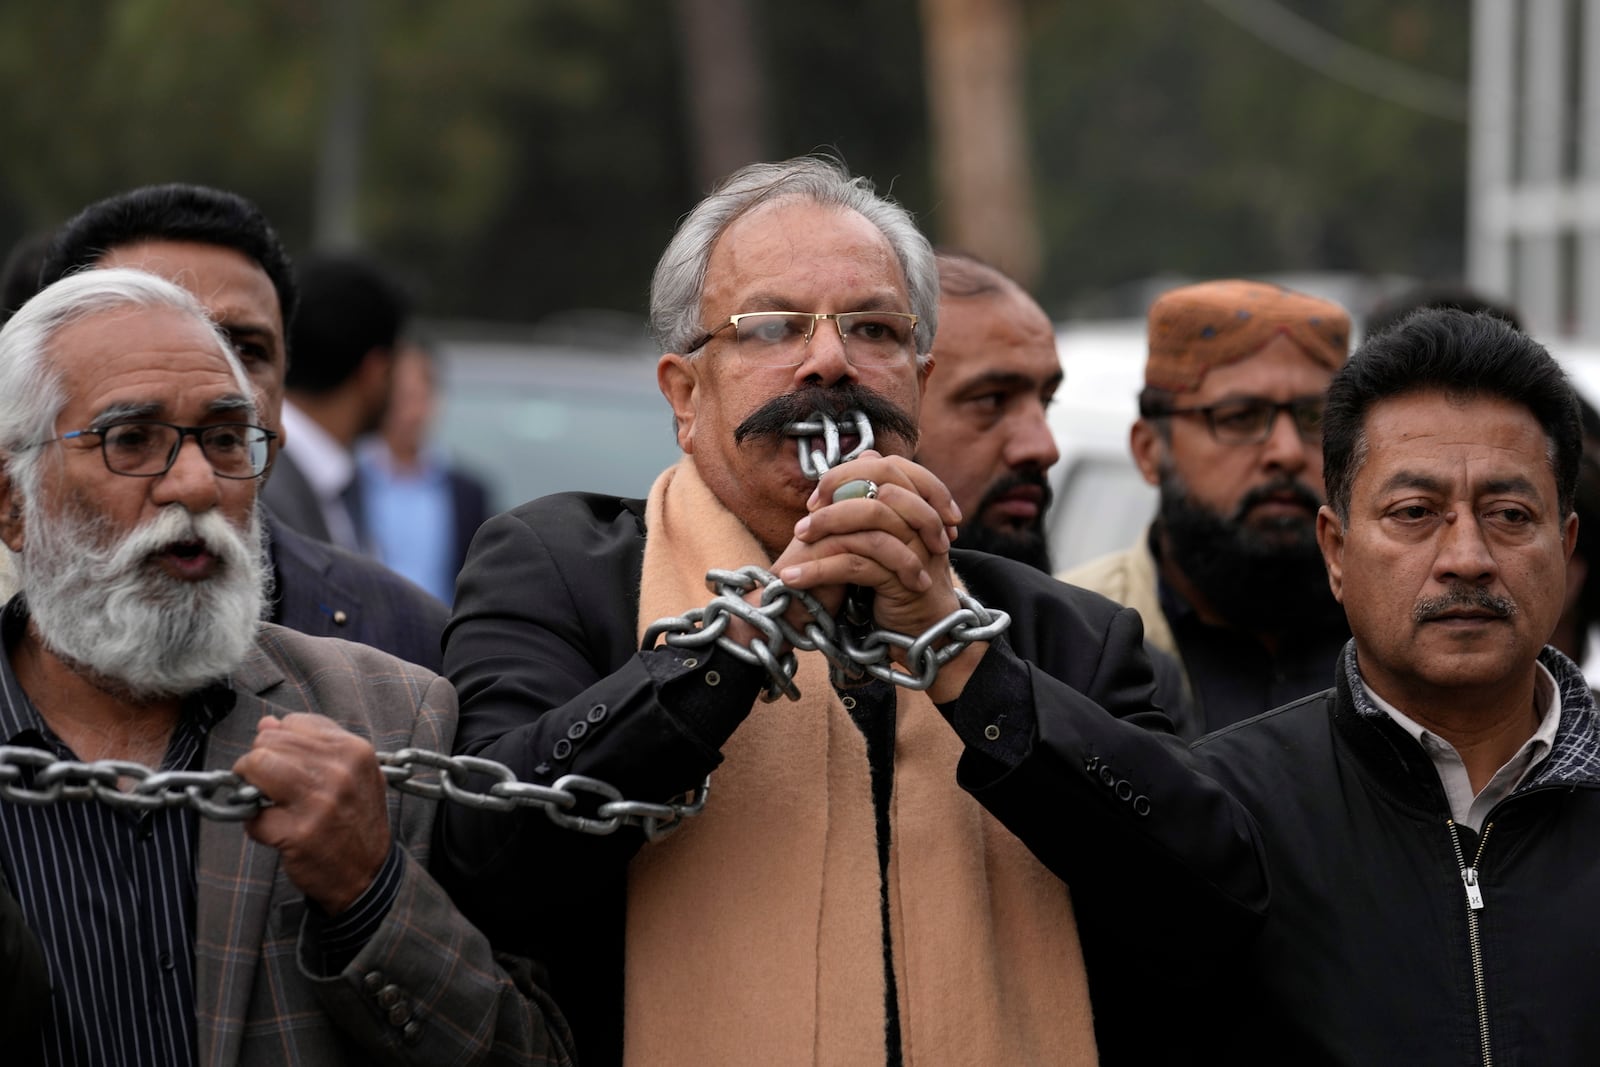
338,187
980,151
724,86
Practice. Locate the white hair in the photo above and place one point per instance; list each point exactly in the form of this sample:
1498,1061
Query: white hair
99,604
31,395
680,277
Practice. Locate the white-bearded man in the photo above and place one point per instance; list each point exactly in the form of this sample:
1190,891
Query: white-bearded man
311,932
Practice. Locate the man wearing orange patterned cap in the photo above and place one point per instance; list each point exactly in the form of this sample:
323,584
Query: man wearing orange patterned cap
1228,577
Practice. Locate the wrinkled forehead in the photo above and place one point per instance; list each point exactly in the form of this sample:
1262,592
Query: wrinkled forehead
791,253
160,355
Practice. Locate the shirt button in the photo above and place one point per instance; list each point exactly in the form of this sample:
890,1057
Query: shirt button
340,618
849,703
165,959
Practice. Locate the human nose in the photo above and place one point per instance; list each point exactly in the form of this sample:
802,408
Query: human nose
1031,442
826,360
1284,448
190,481
1464,554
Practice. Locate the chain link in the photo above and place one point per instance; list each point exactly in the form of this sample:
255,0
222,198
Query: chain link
856,652
573,801
821,428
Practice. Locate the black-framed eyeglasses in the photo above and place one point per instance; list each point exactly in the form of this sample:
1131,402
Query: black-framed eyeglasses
779,338
141,448
1249,420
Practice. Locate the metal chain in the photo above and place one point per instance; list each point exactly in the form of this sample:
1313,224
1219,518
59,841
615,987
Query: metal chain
821,428
224,796
855,653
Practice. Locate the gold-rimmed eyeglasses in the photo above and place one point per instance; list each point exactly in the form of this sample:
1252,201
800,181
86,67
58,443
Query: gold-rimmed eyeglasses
779,338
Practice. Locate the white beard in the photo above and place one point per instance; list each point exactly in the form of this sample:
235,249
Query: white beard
104,605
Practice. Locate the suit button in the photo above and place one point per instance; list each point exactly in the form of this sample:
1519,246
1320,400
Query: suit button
412,1032
561,749
340,618
849,703
577,730
399,1015
992,732
691,663
373,981
390,996
596,713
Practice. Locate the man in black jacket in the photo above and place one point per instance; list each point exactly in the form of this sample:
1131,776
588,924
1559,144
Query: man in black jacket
839,899
1401,869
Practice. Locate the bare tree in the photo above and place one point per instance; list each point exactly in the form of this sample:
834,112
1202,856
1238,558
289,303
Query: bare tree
724,86
975,104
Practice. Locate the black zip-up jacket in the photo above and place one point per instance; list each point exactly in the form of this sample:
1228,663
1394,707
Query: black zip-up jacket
1294,891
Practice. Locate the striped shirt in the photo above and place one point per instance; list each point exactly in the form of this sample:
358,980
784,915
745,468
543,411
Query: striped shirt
110,895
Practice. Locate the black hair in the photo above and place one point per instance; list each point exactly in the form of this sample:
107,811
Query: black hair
1462,354
1435,295
348,307
19,278
173,212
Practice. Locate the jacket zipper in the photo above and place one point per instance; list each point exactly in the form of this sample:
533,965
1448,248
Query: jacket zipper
1469,879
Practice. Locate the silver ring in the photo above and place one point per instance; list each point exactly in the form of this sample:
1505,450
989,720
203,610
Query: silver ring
858,488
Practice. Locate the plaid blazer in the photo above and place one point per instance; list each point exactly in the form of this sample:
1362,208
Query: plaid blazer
427,989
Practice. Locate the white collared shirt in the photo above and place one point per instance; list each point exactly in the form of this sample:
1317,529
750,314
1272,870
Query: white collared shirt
1465,807
328,467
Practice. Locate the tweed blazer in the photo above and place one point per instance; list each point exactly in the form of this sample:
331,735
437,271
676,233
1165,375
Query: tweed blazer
426,989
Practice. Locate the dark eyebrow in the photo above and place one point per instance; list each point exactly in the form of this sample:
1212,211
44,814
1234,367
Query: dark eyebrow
1413,480
1008,380
1515,484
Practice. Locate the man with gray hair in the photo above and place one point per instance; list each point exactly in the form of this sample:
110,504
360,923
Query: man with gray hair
310,932
839,898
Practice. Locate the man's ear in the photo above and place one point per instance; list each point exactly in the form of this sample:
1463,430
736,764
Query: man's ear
1330,538
1148,449
10,509
679,379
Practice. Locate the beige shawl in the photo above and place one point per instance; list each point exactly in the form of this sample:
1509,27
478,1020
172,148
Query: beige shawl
754,933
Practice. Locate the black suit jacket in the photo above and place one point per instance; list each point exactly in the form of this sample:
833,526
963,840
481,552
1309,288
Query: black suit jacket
543,654
323,590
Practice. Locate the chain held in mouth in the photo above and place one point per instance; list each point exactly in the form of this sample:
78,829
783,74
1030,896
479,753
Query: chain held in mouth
818,441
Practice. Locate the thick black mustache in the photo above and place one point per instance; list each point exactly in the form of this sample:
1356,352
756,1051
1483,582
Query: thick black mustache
1301,492
778,414
1464,596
